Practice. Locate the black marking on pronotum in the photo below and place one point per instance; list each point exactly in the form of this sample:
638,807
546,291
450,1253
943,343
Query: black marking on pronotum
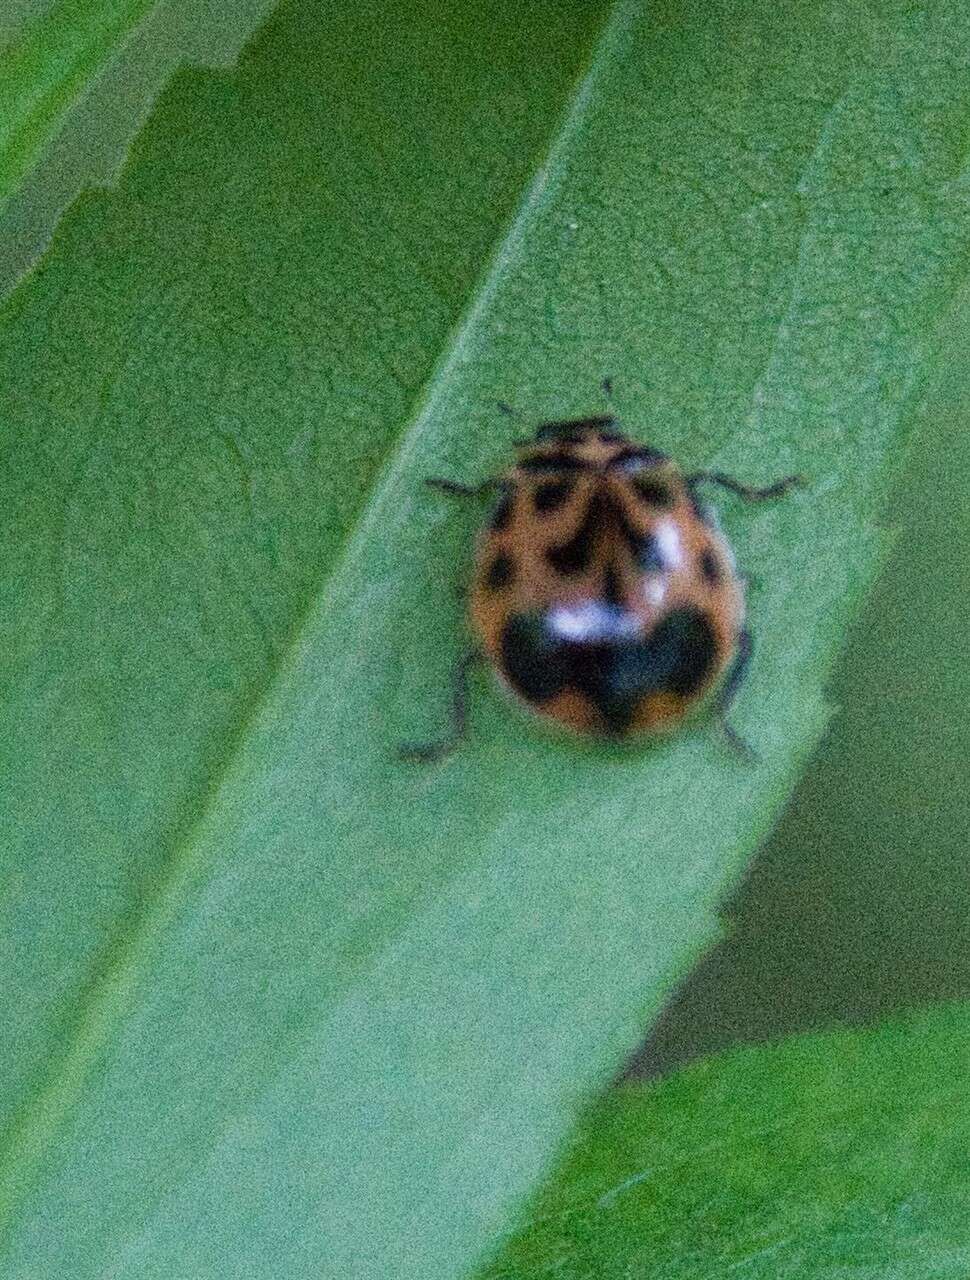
710,567
573,430
503,512
500,572
654,492
677,657
613,677
552,494
540,462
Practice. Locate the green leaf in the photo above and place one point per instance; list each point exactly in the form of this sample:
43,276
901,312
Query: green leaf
87,142
43,73
828,1157
272,995
859,904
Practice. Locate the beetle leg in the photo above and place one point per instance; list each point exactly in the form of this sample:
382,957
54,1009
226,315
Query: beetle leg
729,691
431,752
459,490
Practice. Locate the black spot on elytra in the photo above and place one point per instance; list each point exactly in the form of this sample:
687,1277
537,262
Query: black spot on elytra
502,513
615,673
685,648
534,662
646,551
711,567
604,513
644,547
573,557
552,494
500,572
612,588
655,493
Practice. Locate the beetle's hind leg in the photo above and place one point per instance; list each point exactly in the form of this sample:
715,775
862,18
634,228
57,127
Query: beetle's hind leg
431,752
729,691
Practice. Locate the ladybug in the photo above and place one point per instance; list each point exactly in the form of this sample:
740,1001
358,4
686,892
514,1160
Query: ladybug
604,595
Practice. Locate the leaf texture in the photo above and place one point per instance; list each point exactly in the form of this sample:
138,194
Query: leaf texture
274,994
830,1157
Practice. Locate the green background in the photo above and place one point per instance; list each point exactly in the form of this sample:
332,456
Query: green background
271,996
859,904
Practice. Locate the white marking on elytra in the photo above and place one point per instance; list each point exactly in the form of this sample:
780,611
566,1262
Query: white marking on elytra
592,622
671,551
669,545
655,589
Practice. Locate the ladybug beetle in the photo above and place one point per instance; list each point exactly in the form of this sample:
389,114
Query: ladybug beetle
604,595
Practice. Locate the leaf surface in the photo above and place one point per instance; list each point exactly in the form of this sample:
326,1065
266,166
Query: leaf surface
43,71
859,904
85,140
840,1156
273,993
